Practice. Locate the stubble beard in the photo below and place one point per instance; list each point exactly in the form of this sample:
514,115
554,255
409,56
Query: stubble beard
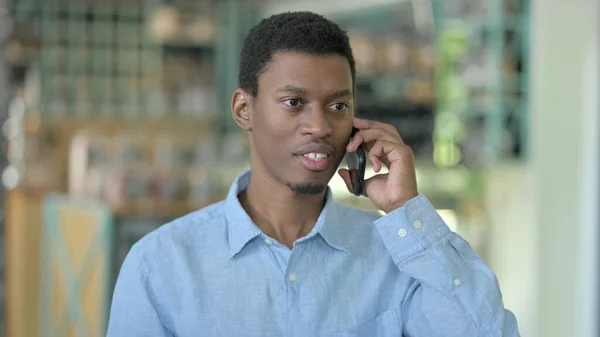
307,188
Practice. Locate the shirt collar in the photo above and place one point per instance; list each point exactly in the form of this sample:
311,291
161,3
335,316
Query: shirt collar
241,229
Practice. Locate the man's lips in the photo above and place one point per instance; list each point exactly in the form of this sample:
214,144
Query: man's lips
315,157
314,148
314,164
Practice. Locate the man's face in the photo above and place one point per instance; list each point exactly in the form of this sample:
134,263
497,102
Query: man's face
301,119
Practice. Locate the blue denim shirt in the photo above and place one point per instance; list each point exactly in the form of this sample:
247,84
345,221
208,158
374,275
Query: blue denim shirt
215,273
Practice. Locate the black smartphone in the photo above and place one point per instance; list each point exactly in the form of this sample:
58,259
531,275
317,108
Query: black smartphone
357,165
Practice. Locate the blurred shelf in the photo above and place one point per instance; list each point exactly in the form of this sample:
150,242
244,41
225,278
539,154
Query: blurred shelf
186,44
386,16
509,106
400,77
167,209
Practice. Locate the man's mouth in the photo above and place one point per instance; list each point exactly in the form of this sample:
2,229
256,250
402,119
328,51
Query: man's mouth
314,161
315,156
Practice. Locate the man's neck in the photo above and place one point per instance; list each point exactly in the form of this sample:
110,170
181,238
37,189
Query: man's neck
280,212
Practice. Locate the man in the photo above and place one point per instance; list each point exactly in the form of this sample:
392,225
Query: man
279,257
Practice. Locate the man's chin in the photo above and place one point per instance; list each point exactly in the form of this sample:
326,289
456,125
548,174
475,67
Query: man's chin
307,188
309,182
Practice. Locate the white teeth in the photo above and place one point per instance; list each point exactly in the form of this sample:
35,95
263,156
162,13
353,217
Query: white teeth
315,156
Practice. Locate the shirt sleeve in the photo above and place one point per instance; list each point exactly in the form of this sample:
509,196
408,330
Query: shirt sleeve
134,310
453,291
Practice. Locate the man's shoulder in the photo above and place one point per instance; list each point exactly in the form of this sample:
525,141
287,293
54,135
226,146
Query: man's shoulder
356,220
357,215
359,230
189,230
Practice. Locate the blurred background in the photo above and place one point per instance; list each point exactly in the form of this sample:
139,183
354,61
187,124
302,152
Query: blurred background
116,119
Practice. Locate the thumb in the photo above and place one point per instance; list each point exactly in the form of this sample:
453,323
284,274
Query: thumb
375,184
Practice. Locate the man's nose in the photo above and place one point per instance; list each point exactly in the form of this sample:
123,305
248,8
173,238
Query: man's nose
317,123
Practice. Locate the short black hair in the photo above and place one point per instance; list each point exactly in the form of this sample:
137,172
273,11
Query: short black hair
303,32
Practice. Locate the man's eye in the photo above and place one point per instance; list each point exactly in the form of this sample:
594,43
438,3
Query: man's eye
293,102
339,106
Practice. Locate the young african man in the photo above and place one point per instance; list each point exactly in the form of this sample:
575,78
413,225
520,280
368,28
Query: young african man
279,257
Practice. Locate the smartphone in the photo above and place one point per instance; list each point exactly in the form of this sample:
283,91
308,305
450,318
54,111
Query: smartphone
357,165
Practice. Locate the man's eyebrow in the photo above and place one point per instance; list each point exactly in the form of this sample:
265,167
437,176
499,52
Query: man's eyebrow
291,88
339,94
300,90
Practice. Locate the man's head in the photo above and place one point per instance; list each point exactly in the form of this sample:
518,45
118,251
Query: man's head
296,99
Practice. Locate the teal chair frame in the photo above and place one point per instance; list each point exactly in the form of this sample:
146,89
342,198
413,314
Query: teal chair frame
56,258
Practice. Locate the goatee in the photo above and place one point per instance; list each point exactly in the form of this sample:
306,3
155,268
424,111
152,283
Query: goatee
307,188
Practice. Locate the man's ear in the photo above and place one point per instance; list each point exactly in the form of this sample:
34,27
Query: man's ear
241,105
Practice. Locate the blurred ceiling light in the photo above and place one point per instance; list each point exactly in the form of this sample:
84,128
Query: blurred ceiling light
10,177
78,164
10,128
165,24
423,14
16,108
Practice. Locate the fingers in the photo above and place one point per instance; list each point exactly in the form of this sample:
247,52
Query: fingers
388,152
375,161
360,123
382,141
374,184
369,136
370,124
378,151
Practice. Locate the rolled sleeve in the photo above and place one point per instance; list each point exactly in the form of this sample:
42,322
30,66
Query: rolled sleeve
455,293
411,229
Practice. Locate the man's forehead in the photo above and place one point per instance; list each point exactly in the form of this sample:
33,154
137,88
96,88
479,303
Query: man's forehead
303,73
291,58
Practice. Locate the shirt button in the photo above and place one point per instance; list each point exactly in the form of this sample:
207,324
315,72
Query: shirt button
417,224
293,277
269,241
457,282
402,233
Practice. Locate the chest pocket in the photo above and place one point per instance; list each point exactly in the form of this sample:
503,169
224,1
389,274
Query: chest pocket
386,324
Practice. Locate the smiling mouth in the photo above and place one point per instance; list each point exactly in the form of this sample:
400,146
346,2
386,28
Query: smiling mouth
315,156
314,161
